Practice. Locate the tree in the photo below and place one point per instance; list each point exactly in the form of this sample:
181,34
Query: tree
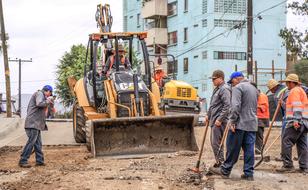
301,69
71,64
295,41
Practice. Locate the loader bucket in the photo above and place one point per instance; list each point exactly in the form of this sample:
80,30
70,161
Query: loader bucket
142,135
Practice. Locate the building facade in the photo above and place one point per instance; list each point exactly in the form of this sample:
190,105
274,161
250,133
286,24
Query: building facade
198,34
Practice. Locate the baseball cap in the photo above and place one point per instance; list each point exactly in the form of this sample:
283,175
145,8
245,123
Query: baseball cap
48,88
235,75
218,74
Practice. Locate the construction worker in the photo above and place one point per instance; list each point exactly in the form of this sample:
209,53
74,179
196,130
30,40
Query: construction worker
243,127
159,75
34,124
296,126
279,91
217,115
110,63
263,120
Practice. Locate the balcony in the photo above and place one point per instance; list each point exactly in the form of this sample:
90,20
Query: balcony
154,8
157,35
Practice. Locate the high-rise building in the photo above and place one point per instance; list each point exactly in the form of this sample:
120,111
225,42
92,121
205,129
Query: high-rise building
199,34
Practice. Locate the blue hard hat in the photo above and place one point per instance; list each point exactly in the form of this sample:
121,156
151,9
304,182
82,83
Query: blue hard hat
235,75
48,88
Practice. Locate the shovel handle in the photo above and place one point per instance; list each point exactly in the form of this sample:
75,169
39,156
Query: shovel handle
272,122
202,144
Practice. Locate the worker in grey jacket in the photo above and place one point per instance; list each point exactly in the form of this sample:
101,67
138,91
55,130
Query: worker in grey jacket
243,127
217,115
34,124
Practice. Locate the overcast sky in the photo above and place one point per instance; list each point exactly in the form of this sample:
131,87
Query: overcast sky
44,29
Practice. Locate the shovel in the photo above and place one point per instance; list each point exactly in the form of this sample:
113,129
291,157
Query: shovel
268,133
196,169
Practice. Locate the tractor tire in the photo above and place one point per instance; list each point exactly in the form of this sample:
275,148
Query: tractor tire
79,122
88,135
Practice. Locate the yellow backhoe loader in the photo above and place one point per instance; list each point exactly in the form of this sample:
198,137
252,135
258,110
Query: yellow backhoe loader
116,110
121,109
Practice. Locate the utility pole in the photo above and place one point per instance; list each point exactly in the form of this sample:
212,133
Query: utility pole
249,39
19,81
6,65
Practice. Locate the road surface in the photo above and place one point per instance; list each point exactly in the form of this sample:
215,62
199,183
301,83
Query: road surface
71,166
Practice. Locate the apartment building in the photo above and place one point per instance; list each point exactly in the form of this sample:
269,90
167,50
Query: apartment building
198,33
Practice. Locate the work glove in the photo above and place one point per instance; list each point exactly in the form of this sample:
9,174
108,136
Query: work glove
50,100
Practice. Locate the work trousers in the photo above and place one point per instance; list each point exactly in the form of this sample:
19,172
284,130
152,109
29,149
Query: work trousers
262,123
292,136
235,141
216,137
34,141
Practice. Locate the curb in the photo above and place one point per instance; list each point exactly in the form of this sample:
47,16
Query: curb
7,129
59,120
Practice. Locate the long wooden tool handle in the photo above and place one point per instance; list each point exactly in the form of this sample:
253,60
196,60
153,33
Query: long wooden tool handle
272,122
271,144
202,144
224,136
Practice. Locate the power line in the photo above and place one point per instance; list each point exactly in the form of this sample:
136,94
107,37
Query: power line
238,26
32,81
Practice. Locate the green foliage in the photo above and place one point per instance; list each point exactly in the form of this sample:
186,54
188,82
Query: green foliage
295,41
71,64
301,69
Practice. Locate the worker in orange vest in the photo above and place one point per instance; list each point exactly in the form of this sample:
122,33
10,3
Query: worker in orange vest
159,76
296,126
263,120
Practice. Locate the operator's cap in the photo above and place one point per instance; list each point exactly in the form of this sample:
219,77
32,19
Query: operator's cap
218,74
235,75
121,48
48,88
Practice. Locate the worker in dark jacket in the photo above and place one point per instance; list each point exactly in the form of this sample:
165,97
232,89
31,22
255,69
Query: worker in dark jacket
217,115
34,124
279,91
243,127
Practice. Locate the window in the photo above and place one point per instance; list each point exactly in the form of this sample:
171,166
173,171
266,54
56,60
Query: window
230,55
230,6
227,23
204,6
172,67
172,9
204,23
125,24
172,38
185,5
204,87
138,46
204,55
138,19
185,64
185,34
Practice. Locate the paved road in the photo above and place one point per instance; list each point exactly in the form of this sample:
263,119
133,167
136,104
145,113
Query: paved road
58,133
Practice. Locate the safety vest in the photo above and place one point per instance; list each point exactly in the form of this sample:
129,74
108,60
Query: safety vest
280,93
297,105
263,107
